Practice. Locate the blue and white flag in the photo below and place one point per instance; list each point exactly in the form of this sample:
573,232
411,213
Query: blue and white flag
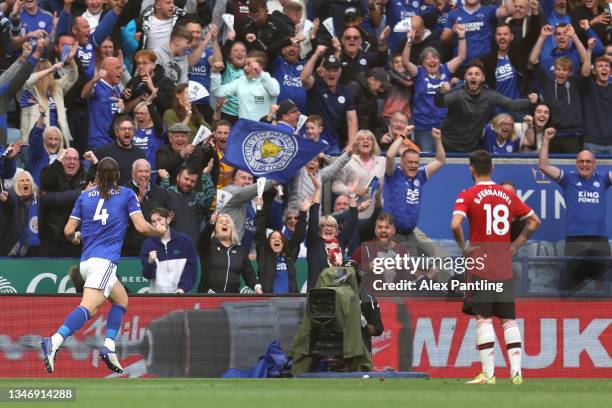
267,150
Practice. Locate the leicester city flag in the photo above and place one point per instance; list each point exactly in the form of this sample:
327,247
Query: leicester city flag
267,150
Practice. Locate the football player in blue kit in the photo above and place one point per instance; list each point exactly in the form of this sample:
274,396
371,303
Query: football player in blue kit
103,213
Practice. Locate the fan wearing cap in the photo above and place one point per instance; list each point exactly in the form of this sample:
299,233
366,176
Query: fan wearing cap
330,100
367,88
288,115
178,152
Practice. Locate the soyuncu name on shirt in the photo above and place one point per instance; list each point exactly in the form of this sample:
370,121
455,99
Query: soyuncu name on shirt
485,193
591,197
96,193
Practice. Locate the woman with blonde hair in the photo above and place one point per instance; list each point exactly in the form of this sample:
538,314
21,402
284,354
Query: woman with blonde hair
365,164
43,95
501,136
46,144
19,217
150,132
223,260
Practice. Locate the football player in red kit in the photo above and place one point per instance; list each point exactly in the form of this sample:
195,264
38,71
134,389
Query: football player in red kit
490,209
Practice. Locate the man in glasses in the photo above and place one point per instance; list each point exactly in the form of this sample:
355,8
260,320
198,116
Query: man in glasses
122,149
355,59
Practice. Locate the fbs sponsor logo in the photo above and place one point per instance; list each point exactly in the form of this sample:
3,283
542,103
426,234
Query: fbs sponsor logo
6,286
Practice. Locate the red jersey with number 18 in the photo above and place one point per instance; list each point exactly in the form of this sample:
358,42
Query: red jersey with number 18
490,209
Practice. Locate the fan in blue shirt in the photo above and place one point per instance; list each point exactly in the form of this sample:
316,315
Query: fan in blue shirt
104,101
584,191
500,136
479,22
286,69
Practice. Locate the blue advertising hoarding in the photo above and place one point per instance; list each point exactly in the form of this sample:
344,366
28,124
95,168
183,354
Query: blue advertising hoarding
539,192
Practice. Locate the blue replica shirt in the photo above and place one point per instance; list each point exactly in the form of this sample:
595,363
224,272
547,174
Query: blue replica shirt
332,107
585,201
281,277
149,141
479,29
398,10
104,222
85,56
32,22
490,143
200,73
442,17
425,113
505,79
102,106
402,197
288,77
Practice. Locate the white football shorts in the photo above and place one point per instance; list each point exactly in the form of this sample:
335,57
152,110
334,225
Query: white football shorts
99,273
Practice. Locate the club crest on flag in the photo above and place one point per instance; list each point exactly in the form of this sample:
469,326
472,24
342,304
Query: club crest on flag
268,151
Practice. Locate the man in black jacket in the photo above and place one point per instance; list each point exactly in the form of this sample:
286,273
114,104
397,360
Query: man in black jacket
122,149
61,184
473,101
264,32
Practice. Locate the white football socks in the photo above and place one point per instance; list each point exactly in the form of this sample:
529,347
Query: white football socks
512,337
485,338
56,341
109,343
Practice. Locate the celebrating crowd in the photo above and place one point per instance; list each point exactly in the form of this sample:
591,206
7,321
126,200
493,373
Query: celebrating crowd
377,81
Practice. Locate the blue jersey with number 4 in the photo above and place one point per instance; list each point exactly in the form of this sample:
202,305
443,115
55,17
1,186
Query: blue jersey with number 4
104,221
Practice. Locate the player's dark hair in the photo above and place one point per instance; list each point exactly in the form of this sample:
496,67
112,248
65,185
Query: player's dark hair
386,217
482,163
107,176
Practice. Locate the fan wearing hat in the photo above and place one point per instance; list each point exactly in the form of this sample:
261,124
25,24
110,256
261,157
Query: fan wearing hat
330,100
178,152
367,88
288,115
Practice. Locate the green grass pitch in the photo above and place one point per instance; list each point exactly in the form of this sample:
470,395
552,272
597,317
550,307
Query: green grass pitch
322,393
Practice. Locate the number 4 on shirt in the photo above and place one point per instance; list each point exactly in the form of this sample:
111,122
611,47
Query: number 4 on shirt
101,214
